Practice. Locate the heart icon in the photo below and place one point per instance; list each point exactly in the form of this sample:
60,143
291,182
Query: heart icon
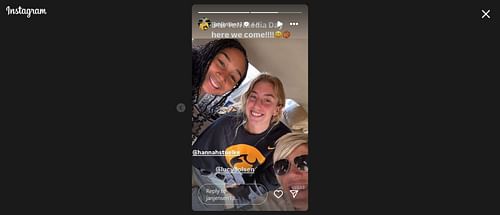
278,193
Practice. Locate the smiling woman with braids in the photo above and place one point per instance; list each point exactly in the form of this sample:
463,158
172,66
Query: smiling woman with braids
219,67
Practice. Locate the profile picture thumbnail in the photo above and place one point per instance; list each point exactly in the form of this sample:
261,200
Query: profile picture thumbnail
204,23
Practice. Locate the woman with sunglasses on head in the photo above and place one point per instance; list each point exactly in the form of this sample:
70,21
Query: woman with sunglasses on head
292,170
218,68
248,139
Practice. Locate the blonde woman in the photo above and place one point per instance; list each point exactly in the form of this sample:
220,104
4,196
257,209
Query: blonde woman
292,170
245,143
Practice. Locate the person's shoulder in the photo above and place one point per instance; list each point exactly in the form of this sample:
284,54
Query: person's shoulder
282,127
228,116
228,119
279,130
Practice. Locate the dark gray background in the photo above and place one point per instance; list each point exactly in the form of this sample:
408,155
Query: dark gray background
403,113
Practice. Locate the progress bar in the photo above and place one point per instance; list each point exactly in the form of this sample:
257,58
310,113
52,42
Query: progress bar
247,12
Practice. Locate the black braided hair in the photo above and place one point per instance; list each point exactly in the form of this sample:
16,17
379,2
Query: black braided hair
202,57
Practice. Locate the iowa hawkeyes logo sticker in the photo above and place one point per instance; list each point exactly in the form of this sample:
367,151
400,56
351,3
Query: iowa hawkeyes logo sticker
204,23
249,157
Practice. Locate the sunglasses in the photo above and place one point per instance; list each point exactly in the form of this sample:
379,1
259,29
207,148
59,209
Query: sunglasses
282,166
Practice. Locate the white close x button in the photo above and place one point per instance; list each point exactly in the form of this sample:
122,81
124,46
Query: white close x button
485,14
